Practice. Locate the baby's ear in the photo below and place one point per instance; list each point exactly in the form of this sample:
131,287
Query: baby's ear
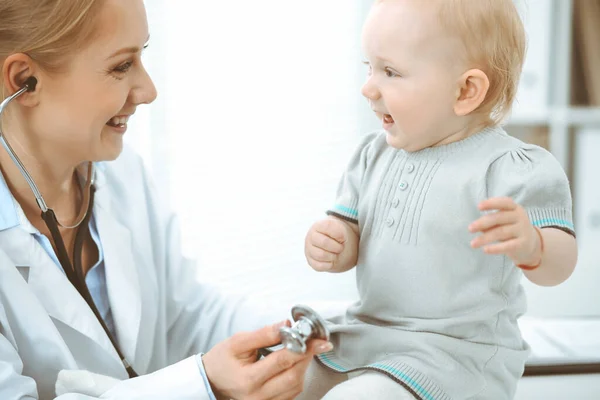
472,88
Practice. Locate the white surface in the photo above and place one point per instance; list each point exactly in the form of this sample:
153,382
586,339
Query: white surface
567,340
559,387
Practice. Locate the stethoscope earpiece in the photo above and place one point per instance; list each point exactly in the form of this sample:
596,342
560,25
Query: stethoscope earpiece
31,83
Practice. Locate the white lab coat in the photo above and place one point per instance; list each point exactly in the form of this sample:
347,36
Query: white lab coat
163,315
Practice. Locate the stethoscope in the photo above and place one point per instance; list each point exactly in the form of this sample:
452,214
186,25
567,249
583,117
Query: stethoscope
73,272
307,323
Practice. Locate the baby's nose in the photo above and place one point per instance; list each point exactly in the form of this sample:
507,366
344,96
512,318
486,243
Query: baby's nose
370,91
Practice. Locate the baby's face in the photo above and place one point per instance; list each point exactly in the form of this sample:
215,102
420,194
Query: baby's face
413,73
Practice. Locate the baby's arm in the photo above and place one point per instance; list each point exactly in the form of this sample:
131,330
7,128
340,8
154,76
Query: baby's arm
528,215
559,258
331,245
547,256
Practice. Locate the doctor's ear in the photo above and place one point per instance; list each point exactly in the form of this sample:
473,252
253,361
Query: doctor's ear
17,72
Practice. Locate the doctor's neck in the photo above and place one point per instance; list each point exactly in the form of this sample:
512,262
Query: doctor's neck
53,174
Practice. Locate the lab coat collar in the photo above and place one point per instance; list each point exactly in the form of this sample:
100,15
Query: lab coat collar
9,218
11,213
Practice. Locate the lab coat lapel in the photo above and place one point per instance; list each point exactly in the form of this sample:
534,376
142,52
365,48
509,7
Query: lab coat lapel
60,299
122,280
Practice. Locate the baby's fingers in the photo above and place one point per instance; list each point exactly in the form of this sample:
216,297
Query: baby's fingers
498,203
320,266
491,220
503,248
498,234
325,243
332,228
321,255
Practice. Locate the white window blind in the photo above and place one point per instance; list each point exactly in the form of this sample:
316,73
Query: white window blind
258,113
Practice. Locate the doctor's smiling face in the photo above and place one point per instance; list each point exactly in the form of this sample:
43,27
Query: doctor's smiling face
81,105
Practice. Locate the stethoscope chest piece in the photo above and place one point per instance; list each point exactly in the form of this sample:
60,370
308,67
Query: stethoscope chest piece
307,325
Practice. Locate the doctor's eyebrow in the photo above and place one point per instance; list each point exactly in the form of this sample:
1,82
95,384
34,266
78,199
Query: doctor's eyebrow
130,50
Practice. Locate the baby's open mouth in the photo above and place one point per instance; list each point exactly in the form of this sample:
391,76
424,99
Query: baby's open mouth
387,118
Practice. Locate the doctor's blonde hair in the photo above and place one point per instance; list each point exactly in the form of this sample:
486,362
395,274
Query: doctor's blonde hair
48,31
493,39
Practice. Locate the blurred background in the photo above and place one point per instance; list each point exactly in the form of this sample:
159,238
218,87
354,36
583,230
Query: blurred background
258,112
259,109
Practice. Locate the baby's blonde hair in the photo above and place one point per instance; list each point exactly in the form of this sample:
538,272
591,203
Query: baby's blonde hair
49,31
494,41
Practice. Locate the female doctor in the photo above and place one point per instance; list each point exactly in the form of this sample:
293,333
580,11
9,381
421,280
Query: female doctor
100,303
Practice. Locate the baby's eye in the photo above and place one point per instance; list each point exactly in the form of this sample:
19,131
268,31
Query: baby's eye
368,64
390,74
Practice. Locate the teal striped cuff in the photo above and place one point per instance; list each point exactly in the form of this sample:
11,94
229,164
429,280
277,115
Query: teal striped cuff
553,222
348,210
552,217
417,383
351,212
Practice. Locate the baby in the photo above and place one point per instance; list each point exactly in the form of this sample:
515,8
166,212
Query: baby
441,212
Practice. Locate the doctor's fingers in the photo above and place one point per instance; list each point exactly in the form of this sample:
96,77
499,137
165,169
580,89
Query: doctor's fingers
274,364
283,360
294,377
324,242
245,342
287,384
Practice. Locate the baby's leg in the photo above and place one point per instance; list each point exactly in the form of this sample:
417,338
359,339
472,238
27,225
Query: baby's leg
319,380
368,386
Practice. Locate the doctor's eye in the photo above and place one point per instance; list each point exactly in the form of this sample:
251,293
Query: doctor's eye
123,68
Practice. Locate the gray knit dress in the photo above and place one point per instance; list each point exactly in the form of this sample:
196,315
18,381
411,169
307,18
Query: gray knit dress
434,314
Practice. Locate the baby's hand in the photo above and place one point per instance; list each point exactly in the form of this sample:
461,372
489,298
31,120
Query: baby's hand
510,226
324,243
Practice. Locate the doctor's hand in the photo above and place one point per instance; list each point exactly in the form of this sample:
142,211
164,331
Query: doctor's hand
331,245
234,373
507,231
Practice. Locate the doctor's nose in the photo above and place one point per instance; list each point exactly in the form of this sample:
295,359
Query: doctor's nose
370,90
145,90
